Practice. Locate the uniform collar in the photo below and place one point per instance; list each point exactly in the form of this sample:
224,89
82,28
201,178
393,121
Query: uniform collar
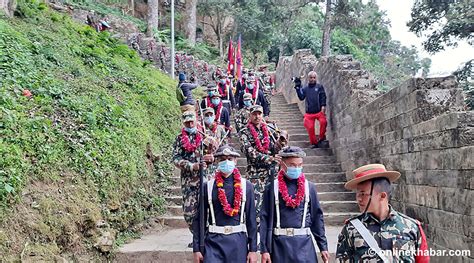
369,217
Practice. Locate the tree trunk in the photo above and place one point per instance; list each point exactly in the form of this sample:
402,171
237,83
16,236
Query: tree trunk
132,6
327,30
190,21
7,6
152,19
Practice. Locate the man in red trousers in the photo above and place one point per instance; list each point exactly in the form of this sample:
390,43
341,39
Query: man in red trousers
315,104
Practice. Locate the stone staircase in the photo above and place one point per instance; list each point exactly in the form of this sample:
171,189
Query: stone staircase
320,167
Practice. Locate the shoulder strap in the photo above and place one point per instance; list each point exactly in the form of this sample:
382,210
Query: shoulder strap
364,232
210,185
277,202
306,201
243,185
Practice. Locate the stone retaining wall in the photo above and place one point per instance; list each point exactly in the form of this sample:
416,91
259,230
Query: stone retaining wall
418,129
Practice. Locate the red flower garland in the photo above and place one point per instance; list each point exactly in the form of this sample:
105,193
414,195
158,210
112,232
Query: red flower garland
228,210
223,89
266,138
188,146
283,189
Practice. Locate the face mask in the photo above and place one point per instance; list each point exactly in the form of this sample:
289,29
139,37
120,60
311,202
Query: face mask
247,103
210,93
294,172
250,86
210,119
222,81
226,166
215,101
190,130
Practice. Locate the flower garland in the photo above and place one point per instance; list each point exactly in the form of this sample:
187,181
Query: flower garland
223,89
228,210
254,92
187,145
283,189
218,111
266,138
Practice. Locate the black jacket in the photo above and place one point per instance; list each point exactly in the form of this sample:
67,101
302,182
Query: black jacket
314,96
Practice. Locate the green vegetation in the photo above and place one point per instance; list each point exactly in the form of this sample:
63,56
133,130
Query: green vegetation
74,153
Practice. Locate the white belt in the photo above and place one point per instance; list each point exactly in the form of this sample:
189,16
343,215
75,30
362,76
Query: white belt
226,101
292,231
227,230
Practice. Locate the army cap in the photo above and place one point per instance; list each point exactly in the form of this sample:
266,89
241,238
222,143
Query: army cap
291,151
188,116
211,88
208,110
250,79
226,150
247,96
255,108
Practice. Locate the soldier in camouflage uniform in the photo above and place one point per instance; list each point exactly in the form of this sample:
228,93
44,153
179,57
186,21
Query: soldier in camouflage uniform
215,137
186,151
260,155
242,116
397,236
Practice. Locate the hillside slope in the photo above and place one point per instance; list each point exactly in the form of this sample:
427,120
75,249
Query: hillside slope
77,167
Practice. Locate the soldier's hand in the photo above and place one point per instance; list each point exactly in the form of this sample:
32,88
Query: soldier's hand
196,166
252,257
266,258
209,158
325,256
275,158
197,257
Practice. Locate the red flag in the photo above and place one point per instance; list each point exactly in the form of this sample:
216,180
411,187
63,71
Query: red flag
238,61
230,59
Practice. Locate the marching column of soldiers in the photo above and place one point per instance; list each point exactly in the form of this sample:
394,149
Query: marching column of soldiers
274,210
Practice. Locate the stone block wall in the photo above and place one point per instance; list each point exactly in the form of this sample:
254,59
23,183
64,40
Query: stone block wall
418,129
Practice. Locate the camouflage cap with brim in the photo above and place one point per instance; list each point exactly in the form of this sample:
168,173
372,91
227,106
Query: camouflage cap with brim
247,96
291,151
188,116
226,150
208,110
256,108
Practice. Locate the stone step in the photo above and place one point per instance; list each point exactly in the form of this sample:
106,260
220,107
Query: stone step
311,168
339,206
301,144
336,196
173,221
174,199
174,190
175,210
325,177
317,151
337,218
170,246
331,187
299,137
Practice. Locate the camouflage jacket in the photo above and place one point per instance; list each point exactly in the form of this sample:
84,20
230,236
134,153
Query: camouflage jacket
241,119
396,233
183,159
254,157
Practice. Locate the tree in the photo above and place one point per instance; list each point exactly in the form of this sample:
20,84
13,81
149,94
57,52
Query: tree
152,19
190,20
444,23
327,29
218,14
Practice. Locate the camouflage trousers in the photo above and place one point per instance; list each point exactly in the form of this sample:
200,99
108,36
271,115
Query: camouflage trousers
259,178
190,191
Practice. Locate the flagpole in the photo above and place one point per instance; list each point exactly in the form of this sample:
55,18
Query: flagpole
172,40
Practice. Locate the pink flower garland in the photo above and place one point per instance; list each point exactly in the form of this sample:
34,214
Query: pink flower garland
228,210
266,138
188,146
283,189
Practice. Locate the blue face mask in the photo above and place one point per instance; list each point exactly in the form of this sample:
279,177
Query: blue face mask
190,130
222,81
216,101
247,103
293,172
250,86
210,119
210,93
226,166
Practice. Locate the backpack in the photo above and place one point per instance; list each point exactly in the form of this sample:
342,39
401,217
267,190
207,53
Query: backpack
179,94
